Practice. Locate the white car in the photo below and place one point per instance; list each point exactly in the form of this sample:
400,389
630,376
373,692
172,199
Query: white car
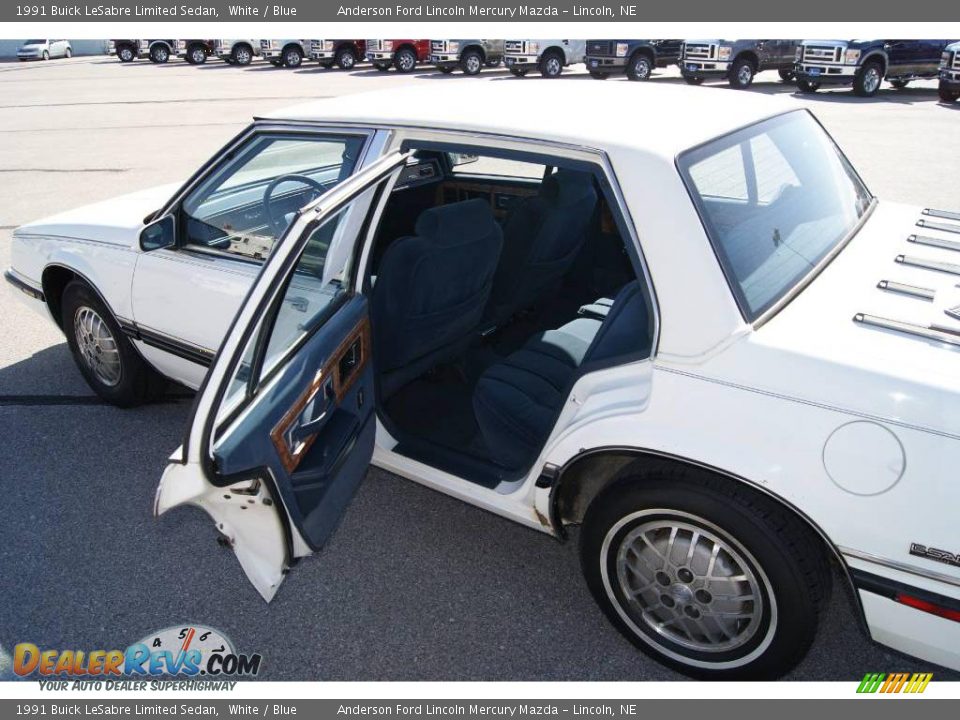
44,50
702,340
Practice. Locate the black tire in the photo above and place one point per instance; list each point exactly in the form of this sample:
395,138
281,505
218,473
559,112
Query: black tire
947,95
471,62
68,53
519,72
445,69
640,67
787,75
786,574
126,54
405,60
137,382
551,65
692,80
46,55
868,79
292,56
381,67
741,74
345,59
159,54
196,55
241,55
899,84
808,87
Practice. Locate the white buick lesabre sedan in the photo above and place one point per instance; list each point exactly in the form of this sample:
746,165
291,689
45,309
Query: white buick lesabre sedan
697,336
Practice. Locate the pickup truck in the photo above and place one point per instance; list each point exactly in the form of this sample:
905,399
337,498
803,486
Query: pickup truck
550,57
236,52
950,74
738,61
345,54
284,53
865,64
635,58
404,55
196,52
471,56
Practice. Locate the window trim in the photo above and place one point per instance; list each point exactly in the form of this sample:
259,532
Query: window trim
756,320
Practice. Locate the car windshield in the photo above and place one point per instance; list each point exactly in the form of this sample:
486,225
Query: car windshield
775,198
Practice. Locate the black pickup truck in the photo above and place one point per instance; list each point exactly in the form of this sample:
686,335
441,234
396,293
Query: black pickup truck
950,74
865,64
636,58
738,61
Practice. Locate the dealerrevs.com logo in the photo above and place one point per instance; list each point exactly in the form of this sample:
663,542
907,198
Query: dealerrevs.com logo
187,651
894,683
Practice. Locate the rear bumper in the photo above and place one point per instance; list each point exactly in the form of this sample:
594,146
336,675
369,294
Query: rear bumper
886,595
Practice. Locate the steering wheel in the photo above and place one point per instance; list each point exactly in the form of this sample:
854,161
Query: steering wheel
279,224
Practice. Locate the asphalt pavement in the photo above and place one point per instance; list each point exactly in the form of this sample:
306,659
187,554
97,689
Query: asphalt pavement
414,585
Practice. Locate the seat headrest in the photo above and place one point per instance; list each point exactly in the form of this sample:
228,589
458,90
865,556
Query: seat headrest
457,221
568,186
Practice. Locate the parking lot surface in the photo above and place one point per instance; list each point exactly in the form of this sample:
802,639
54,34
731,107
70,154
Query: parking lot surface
414,585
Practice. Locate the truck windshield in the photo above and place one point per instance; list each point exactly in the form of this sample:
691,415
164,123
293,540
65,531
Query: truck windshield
775,198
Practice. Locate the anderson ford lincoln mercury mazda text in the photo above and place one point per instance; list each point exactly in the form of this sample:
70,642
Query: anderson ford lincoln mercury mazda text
699,337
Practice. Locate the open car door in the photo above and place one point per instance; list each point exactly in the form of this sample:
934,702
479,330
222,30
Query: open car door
284,424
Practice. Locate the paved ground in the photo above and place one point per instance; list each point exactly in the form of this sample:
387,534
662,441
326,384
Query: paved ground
415,585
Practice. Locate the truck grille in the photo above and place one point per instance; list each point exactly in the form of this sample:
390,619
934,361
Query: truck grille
513,46
600,48
955,59
316,46
700,51
438,46
823,53
374,45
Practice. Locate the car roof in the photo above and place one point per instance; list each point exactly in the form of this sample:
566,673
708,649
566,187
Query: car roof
659,118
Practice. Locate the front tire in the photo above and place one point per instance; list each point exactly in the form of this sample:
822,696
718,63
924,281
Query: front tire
46,55
241,55
292,57
159,54
345,59
786,75
471,63
197,55
107,360
551,65
741,74
405,60
639,68
867,81
68,53
947,95
705,576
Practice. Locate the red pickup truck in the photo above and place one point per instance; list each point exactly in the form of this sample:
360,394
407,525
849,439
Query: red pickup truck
401,54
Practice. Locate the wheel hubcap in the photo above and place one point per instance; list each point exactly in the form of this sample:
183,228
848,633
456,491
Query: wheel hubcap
872,80
746,75
473,64
553,66
243,57
97,346
406,61
347,61
641,70
685,583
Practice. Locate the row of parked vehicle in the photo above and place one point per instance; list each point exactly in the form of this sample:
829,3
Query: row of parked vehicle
811,64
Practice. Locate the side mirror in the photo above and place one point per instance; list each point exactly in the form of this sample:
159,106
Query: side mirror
158,234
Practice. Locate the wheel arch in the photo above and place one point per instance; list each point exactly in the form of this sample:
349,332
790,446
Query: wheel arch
556,50
54,280
591,473
478,48
298,47
165,44
878,55
750,56
645,50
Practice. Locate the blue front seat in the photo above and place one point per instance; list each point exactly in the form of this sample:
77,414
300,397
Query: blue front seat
542,237
431,290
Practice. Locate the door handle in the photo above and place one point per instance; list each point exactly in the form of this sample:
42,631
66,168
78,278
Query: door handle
314,415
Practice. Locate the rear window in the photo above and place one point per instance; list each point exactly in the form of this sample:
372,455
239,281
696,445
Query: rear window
775,198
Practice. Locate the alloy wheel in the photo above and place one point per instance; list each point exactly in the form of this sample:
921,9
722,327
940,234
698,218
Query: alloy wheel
97,346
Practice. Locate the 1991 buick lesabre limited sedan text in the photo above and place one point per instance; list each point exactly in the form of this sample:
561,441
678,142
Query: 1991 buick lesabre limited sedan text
701,338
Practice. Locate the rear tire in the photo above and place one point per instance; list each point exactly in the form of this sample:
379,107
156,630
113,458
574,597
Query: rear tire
649,544
807,87
899,84
742,74
106,358
867,81
947,95
639,68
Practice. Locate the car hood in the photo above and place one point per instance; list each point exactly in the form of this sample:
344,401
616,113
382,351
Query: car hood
853,340
116,221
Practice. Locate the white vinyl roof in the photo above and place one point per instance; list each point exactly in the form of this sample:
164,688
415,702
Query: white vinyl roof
657,118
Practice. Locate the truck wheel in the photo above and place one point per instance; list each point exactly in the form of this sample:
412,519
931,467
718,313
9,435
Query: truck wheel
405,60
947,95
381,67
197,55
107,360
292,57
599,75
639,67
787,75
807,87
519,72
868,78
445,69
741,74
551,65
345,59
707,577
692,80
241,55
159,54
471,63
899,84
126,54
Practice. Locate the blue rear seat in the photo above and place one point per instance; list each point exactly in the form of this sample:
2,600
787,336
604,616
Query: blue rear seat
517,401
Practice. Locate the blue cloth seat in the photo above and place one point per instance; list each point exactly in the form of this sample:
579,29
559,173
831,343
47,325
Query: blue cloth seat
517,401
542,237
431,290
